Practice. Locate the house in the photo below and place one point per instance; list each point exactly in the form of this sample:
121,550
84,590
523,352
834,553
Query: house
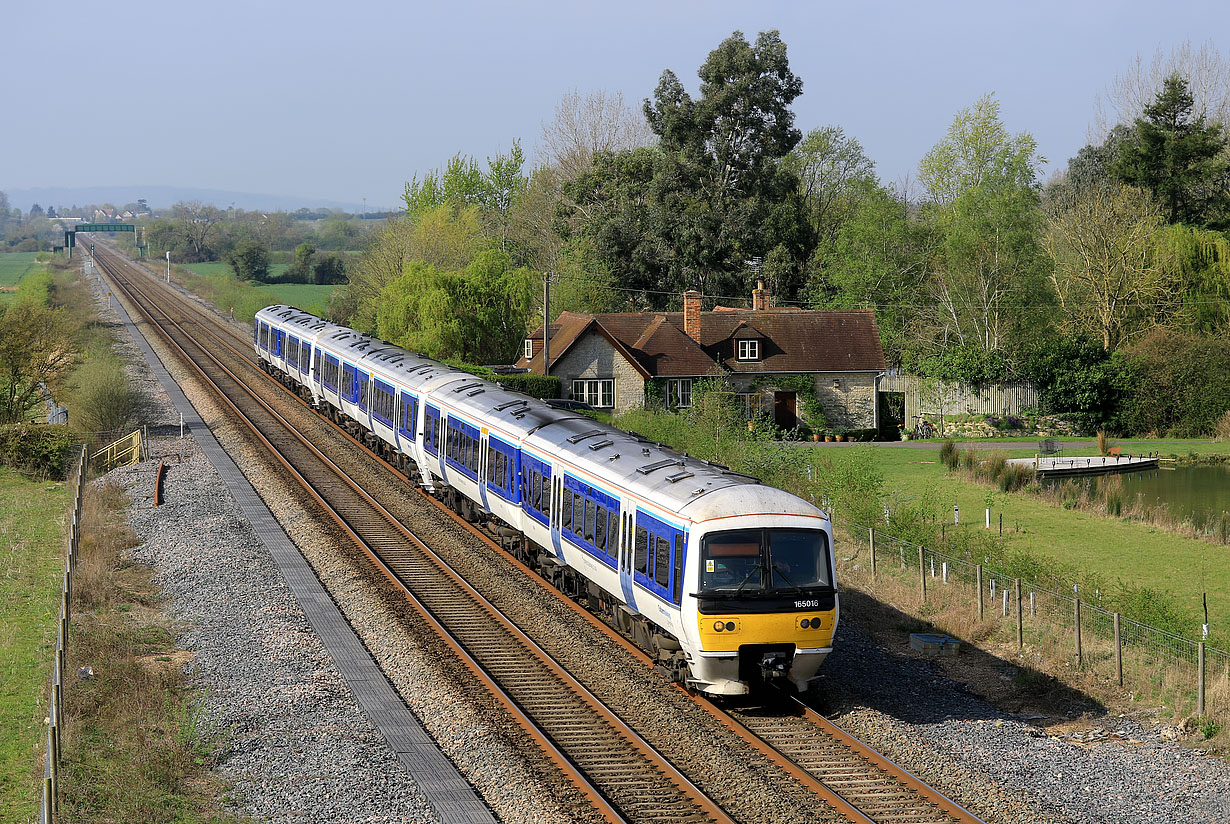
779,360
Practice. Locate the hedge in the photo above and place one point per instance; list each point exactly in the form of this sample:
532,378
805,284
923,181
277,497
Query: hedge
41,449
538,386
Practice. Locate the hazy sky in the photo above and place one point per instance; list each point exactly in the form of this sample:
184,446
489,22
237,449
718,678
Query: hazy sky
347,100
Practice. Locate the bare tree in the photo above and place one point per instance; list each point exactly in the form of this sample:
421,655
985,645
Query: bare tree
1106,274
1206,71
197,223
595,122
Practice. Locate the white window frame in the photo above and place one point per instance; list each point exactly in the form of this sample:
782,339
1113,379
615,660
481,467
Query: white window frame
752,403
599,393
749,350
680,389
529,348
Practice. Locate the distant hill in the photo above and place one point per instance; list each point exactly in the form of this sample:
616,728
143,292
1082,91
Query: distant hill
162,197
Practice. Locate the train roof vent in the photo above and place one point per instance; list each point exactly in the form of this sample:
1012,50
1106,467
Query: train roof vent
511,404
653,467
679,476
478,391
645,451
427,367
594,447
583,435
467,385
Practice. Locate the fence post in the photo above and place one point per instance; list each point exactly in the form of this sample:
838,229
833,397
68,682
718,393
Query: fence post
1020,628
871,539
922,574
1080,656
1118,651
980,592
52,773
1200,678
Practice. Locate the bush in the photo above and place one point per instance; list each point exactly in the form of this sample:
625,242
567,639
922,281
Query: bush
103,398
1222,433
948,454
1015,477
39,449
538,386
995,466
1173,384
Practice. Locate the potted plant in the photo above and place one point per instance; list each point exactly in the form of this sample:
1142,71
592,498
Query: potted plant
840,435
828,437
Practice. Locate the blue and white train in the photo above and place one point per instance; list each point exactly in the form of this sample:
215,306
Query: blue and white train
727,582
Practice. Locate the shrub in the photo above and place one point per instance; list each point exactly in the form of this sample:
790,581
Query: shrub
103,398
948,454
1015,477
997,462
1222,432
40,449
969,459
538,386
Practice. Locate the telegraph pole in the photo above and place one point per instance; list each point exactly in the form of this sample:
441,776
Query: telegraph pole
546,324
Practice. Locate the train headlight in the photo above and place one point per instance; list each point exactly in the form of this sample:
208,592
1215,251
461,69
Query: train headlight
718,626
730,626
805,623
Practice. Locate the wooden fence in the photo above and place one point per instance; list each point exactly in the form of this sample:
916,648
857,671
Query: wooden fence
933,398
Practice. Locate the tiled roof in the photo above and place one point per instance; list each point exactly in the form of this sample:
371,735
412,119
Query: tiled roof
792,340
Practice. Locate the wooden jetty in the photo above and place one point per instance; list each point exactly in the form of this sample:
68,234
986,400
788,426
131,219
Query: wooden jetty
1057,467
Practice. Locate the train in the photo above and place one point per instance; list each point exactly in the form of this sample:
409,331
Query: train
729,584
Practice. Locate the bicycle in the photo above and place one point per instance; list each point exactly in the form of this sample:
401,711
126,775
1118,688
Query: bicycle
922,428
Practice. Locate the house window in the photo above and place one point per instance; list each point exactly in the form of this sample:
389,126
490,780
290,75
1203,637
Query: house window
678,393
529,348
598,394
749,350
750,404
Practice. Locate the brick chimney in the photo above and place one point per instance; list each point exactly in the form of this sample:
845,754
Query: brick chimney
691,314
762,298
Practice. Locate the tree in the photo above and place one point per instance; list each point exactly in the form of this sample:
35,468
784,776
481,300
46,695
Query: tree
37,349
834,173
4,210
1206,71
477,314
51,212
713,195
1105,274
328,270
197,224
35,211
584,126
986,275
249,261
1178,156
1197,263
300,270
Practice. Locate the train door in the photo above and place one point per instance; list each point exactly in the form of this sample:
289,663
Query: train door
484,449
625,558
557,480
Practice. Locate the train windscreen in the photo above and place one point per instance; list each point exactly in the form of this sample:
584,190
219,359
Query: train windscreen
744,560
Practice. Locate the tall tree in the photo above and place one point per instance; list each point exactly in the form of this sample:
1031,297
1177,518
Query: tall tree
834,173
1179,157
37,349
249,260
987,275
1207,73
1106,274
586,125
198,224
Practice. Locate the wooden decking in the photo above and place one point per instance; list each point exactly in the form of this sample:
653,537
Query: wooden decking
1053,467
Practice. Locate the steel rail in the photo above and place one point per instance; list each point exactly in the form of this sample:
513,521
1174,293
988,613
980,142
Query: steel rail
660,793
858,782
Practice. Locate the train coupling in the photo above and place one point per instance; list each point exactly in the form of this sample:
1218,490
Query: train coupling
774,665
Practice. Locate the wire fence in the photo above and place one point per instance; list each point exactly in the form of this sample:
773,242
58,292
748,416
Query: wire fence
55,704
1095,639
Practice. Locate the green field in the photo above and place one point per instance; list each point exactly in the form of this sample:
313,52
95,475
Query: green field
1115,549
31,563
217,267
306,296
13,266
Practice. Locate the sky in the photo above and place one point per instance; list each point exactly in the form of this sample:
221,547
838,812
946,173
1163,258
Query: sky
349,100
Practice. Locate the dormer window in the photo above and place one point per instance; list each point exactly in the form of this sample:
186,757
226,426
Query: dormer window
529,348
749,350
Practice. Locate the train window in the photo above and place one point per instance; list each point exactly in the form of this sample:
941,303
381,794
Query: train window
566,519
305,357
589,520
662,562
642,549
600,528
365,392
578,513
493,463
316,363
678,590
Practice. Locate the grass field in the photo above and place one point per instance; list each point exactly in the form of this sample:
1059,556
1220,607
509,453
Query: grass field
1113,548
306,296
31,559
13,266
217,267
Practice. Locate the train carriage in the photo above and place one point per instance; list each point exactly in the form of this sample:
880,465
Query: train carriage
726,581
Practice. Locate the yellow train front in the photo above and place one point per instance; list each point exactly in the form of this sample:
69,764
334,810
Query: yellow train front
765,606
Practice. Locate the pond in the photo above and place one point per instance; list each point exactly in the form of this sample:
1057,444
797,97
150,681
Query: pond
1196,492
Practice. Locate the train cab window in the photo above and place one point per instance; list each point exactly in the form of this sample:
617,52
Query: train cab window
600,528
731,560
642,549
662,562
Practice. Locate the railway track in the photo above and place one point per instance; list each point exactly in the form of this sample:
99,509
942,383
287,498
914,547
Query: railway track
857,782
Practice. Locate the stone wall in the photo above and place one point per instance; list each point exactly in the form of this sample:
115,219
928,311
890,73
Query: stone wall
848,405
593,358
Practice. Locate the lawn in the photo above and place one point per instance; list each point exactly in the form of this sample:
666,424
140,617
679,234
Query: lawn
31,562
1113,548
13,267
